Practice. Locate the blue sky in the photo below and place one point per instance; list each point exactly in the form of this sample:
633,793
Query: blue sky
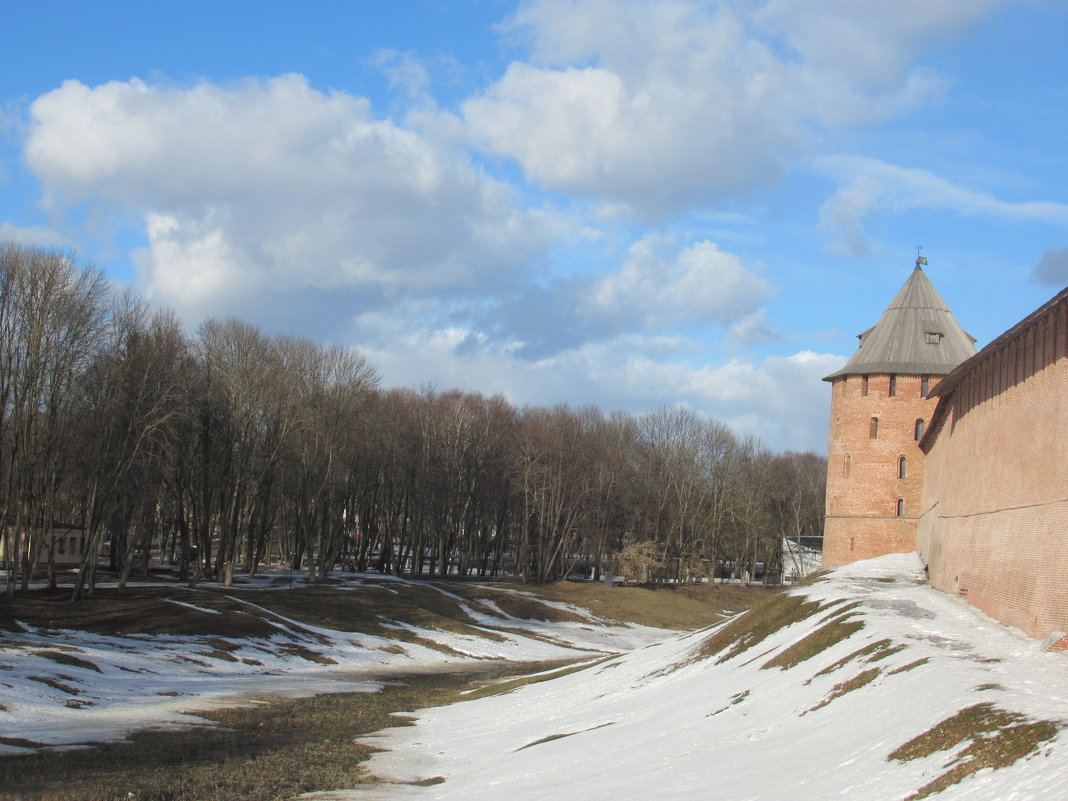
627,204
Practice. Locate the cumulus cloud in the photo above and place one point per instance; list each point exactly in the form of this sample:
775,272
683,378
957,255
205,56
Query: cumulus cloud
645,106
1052,268
871,187
660,289
873,44
273,185
651,106
660,285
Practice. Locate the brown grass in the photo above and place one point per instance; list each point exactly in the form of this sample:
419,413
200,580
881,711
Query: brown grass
534,674
268,752
364,609
524,604
818,641
996,739
56,684
759,623
64,658
302,651
872,652
839,608
855,683
552,737
141,610
910,666
812,578
682,607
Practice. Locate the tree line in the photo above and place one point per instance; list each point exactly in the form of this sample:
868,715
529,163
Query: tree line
228,449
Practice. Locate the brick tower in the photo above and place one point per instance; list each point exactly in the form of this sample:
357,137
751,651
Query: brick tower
879,408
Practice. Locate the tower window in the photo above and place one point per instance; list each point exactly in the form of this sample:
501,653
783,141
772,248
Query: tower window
933,337
925,385
864,386
893,385
900,507
902,469
919,429
873,428
848,464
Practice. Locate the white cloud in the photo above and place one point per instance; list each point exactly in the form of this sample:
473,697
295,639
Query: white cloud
645,106
873,42
405,71
872,187
753,329
273,185
660,285
652,106
37,235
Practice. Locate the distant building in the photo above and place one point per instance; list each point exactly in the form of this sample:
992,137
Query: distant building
67,542
880,409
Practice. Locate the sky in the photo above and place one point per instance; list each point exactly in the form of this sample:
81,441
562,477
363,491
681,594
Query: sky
625,204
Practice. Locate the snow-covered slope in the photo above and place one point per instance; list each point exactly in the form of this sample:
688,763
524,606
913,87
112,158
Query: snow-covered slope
61,687
703,715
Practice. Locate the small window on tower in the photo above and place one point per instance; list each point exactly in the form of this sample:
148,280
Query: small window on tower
902,469
864,386
933,337
893,385
900,507
848,464
919,429
925,385
873,428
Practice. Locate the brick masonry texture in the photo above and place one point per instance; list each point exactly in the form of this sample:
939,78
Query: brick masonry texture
994,508
863,472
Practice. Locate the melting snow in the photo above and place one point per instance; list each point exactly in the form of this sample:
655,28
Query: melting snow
652,721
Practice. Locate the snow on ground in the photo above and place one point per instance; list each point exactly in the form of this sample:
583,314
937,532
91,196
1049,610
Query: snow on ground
659,722
64,687
654,716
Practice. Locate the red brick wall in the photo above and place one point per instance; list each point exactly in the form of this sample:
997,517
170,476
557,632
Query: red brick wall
994,525
863,483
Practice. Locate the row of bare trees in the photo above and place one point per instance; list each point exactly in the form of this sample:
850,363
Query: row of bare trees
228,449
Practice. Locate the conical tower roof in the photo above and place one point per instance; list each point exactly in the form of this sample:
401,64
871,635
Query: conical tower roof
917,335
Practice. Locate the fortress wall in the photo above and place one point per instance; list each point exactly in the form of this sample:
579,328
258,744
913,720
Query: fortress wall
994,517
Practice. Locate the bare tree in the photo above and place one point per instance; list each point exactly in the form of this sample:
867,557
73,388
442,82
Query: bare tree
51,317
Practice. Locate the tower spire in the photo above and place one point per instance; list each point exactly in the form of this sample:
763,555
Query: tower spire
880,406
916,335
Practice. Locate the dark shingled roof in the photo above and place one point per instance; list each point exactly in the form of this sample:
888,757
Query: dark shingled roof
917,335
